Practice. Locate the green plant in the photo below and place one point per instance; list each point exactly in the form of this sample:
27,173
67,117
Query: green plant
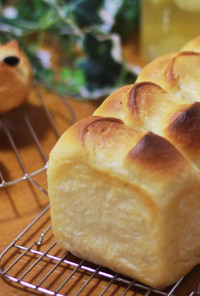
92,26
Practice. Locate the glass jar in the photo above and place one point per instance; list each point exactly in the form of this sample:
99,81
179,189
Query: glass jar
167,25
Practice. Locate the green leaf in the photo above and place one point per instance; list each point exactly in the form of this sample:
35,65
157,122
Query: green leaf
86,12
73,24
66,73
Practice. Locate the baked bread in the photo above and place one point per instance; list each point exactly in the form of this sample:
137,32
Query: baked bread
147,106
15,76
178,73
124,185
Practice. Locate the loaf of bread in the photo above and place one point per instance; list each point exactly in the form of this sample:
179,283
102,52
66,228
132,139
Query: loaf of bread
15,76
124,185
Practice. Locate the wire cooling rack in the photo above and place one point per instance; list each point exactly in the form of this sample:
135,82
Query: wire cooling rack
22,118
33,259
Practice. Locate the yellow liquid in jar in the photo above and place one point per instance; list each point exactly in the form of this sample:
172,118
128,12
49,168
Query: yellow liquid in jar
166,28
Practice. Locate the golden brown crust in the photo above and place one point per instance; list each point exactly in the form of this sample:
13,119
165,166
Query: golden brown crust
185,128
16,80
172,73
99,125
98,137
178,73
147,106
141,97
148,150
156,154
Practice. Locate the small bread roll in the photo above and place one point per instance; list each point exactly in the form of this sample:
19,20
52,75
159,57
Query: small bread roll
15,76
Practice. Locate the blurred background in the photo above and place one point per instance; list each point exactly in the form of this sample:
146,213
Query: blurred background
167,25
88,48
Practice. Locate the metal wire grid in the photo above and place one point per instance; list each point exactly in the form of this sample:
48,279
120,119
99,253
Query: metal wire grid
38,264
35,139
34,260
